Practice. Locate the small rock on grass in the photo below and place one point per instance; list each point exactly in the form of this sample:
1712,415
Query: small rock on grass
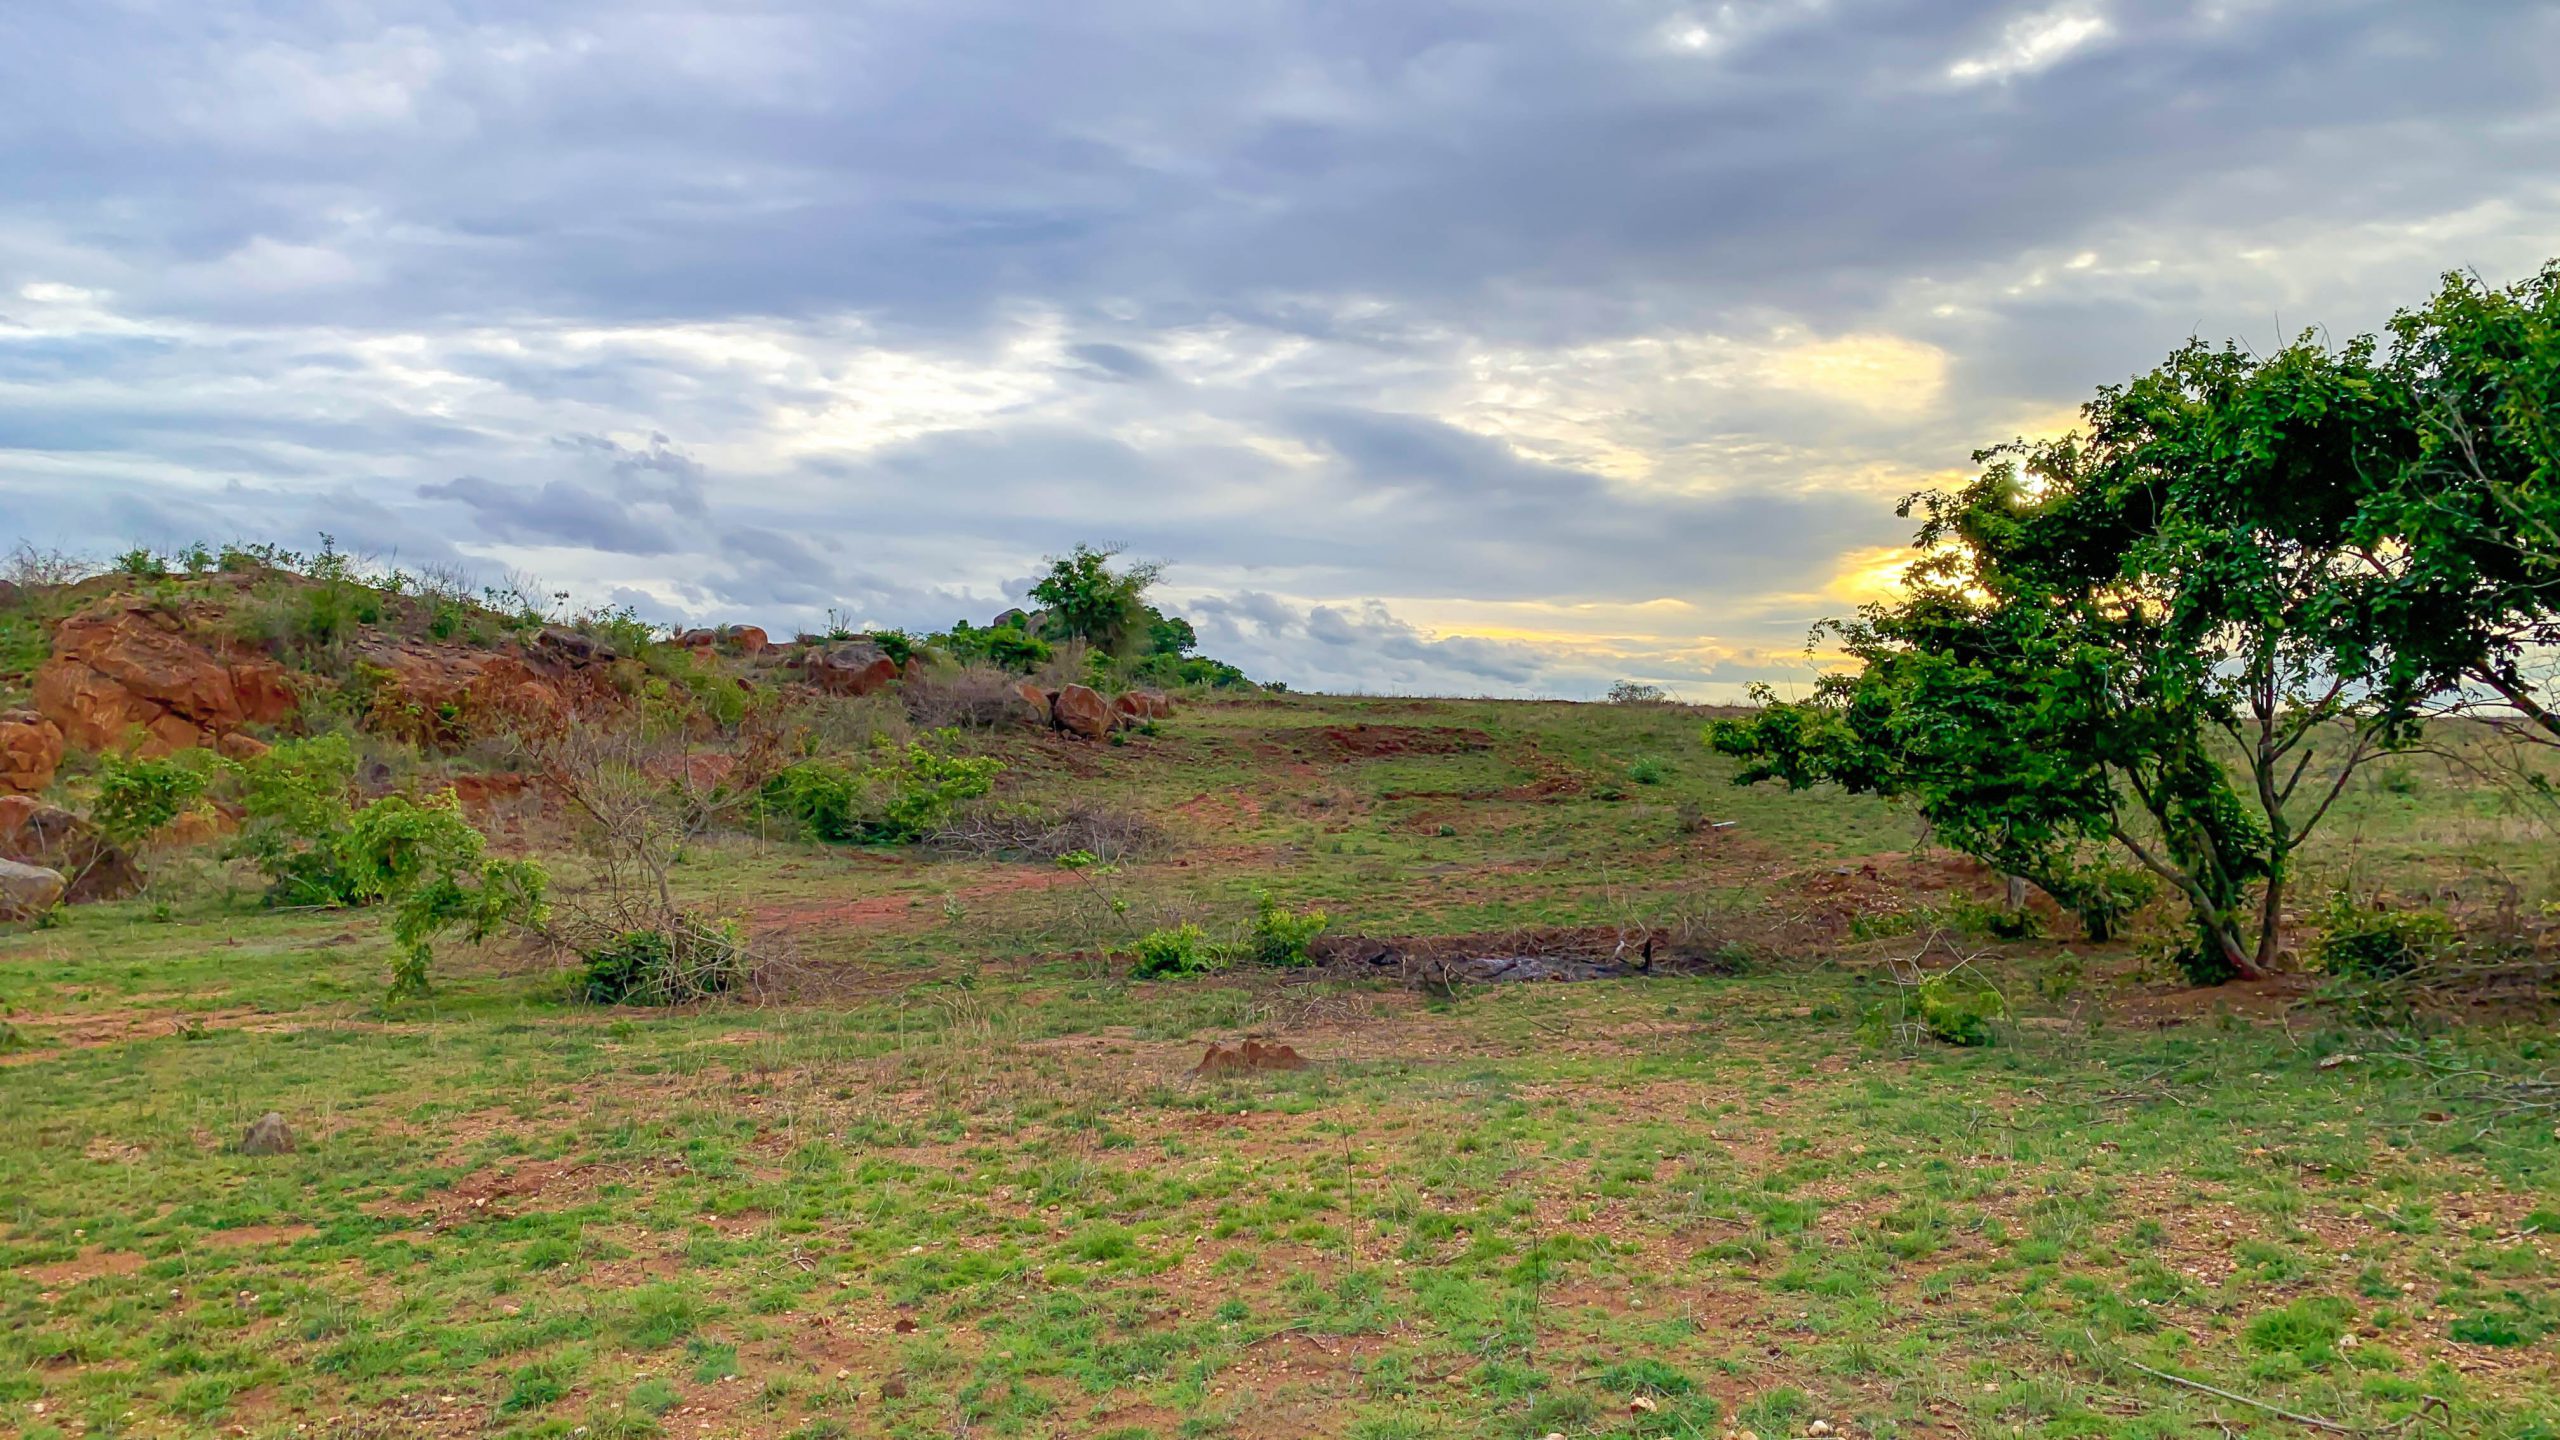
268,1135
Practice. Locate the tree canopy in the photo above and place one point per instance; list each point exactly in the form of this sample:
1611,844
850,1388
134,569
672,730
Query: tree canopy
2170,637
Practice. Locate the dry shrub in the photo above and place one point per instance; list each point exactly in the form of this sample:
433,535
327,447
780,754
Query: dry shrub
967,697
639,798
854,722
1031,832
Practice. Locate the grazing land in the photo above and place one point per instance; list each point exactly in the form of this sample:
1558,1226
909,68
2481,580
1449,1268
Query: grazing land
946,1170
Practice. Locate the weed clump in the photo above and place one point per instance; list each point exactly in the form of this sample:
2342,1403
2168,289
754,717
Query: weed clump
1174,950
901,795
1282,937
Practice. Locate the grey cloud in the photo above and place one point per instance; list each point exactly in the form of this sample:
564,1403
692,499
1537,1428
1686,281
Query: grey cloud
944,288
559,512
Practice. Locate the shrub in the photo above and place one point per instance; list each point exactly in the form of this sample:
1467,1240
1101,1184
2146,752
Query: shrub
1648,770
687,962
1280,937
898,645
137,797
1958,1008
1636,692
2369,943
902,795
421,858
1997,922
1176,950
431,866
295,817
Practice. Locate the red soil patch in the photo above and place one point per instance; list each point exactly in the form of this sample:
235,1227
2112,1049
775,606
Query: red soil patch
897,912
246,1236
1225,811
88,1265
1377,742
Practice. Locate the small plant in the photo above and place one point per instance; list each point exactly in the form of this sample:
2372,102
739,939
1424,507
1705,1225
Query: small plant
690,961
2370,943
1175,950
1997,922
1282,937
142,563
1648,770
1958,1008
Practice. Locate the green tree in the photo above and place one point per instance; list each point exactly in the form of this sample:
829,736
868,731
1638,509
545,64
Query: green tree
2149,636
2464,548
1088,600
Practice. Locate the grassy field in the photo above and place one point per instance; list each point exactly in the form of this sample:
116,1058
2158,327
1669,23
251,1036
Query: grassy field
951,1175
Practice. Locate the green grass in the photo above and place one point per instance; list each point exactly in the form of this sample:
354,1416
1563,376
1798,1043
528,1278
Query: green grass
962,1180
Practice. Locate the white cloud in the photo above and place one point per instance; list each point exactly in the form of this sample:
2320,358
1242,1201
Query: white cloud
2031,43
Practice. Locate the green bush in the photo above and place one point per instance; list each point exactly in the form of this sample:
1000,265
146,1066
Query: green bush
1281,937
137,797
2368,943
1176,950
421,858
664,967
1958,1008
431,867
902,795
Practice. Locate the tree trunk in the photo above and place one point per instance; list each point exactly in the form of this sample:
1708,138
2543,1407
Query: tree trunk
2271,923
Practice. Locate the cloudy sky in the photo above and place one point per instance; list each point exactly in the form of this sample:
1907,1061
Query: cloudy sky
1462,347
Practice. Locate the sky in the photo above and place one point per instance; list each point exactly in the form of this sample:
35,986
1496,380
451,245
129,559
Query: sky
1488,348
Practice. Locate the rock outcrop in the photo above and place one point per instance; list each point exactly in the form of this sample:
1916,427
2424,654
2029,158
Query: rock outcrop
28,891
48,836
30,750
852,667
1081,710
129,676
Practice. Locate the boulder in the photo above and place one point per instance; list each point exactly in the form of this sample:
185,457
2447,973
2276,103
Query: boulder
30,749
28,891
1035,704
267,1135
856,667
750,639
1081,710
573,646
130,674
34,833
698,641
1137,707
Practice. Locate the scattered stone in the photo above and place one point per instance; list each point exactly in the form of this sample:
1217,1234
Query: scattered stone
1081,710
28,891
30,750
1250,1055
268,1135
52,838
